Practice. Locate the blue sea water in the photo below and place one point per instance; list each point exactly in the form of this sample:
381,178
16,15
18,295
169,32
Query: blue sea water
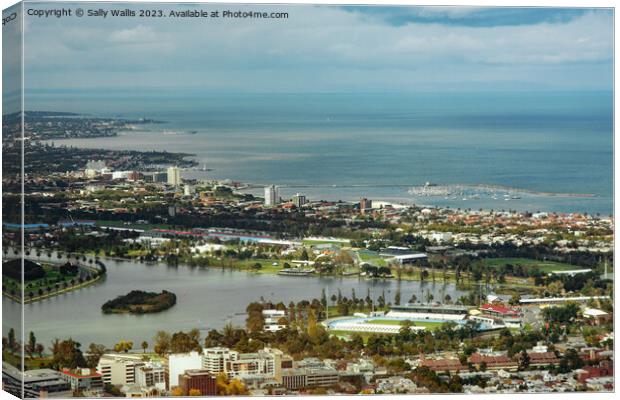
558,142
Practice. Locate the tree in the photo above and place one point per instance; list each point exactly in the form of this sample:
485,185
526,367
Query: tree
357,341
397,297
95,351
123,346
429,296
67,354
524,360
555,288
161,342
31,345
182,342
561,314
313,328
144,345
232,387
343,257
255,321
404,333
343,308
113,390
11,340
570,361
39,349
423,275
515,299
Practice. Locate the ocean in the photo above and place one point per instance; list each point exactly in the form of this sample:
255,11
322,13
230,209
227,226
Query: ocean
346,146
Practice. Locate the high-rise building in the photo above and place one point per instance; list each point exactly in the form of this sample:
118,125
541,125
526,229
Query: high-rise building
198,380
365,204
189,190
151,375
214,359
160,177
272,197
265,363
174,176
181,362
119,369
299,200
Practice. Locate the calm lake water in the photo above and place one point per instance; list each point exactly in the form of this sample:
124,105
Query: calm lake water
206,299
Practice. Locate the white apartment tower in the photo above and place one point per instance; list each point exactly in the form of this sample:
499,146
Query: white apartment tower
119,369
272,197
181,362
265,363
174,176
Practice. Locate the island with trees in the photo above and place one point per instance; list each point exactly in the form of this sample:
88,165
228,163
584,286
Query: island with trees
140,302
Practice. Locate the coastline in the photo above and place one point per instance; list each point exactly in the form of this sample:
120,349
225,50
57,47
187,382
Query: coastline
216,168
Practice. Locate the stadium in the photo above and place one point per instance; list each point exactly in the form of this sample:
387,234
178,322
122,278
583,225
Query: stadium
421,316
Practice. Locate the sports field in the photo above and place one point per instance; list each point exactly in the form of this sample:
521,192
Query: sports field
543,266
425,324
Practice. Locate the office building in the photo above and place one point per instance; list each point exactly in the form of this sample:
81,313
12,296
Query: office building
83,379
47,381
365,205
299,200
199,380
159,177
298,378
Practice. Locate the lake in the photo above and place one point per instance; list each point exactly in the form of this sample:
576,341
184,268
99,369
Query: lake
206,299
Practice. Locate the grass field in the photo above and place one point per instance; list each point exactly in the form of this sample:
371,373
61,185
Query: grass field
51,278
385,322
427,325
372,257
267,266
31,363
347,334
543,266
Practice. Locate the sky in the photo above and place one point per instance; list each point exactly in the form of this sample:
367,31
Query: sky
322,49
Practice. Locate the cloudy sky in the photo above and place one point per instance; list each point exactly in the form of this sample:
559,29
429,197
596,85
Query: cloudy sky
324,49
